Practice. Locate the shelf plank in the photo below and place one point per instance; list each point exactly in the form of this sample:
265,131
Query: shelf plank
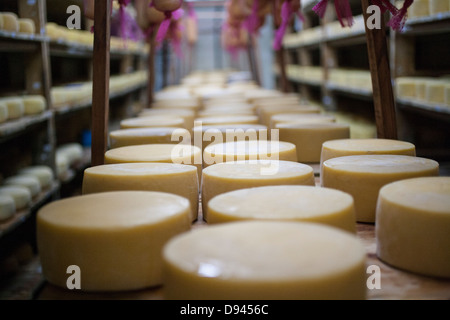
436,23
436,110
12,127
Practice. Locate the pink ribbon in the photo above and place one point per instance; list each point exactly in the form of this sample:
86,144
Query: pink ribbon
286,11
164,26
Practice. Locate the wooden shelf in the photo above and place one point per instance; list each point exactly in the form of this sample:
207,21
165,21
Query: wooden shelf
22,37
441,111
13,127
357,92
436,23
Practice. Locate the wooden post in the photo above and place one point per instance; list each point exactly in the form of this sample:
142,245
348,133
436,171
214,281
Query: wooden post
279,54
253,63
151,66
101,73
383,95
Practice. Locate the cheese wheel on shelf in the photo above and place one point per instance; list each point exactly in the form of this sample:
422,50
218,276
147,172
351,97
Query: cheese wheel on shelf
10,22
266,113
115,238
229,176
62,165
1,21
43,173
27,26
285,203
7,207
3,112
220,120
149,122
187,115
308,138
173,178
72,151
21,195
16,108
139,136
362,176
34,104
413,225
265,260
25,180
438,6
166,153
301,118
249,150
435,91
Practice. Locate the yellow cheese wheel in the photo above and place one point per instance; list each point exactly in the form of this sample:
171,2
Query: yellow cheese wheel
73,151
62,165
25,180
419,8
138,136
266,113
27,26
42,172
16,108
21,195
3,112
413,225
300,118
250,119
166,153
435,91
308,138
149,122
285,203
265,260
228,176
406,87
437,6
7,207
10,22
447,95
187,115
1,21
173,178
363,176
34,104
115,238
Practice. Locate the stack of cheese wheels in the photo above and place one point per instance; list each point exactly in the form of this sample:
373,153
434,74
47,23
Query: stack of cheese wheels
25,180
3,112
285,203
187,115
21,195
249,150
229,132
138,136
362,176
309,137
34,104
413,225
173,178
261,93
300,118
153,121
224,112
231,119
165,153
229,176
267,112
115,238
16,108
7,207
43,173
265,260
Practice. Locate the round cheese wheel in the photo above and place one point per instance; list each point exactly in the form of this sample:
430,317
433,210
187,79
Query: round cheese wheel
362,176
228,176
72,151
149,122
27,26
25,180
437,6
43,173
265,260
21,195
16,108
34,104
285,203
413,224
62,165
7,207
218,120
3,112
300,118
115,238
249,150
166,153
308,138
138,136
266,113
10,22
187,115
173,178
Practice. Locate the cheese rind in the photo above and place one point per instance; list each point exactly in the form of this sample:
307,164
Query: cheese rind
262,260
140,136
21,195
173,178
27,26
285,203
7,207
3,112
34,104
16,108
25,180
115,238
363,176
417,212
43,173
150,122
219,120
10,22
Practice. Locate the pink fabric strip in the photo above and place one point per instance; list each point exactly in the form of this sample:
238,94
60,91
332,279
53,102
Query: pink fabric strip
286,12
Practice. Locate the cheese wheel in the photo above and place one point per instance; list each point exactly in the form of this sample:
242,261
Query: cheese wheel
25,180
7,207
1,21
435,91
27,26
138,136
285,203
266,113
437,6
149,122
363,176
34,104
10,22
72,151
265,260
173,178
229,176
16,108
3,112
413,224
406,87
43,173
447,95
308,138
62,165
187,115
249,150
115,238
21,195
300,118
166,153
419,8
250,119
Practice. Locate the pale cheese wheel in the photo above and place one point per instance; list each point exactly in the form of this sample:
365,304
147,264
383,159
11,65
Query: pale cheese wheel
10,22
249,150
139,136
438,6
42,172
300,118
173,178
308,138
234,175
435,91
266,113
27,26
34,104
1,21
62,165
447,95
187,115
25,180
413,224
115,238
7,207
73,151
285,203
149,122
21,195
3,112
362,176
165,153
230,119
16,108
265,260
419,8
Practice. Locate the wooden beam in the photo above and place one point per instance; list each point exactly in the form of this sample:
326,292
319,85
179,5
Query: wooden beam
151,66
101,73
